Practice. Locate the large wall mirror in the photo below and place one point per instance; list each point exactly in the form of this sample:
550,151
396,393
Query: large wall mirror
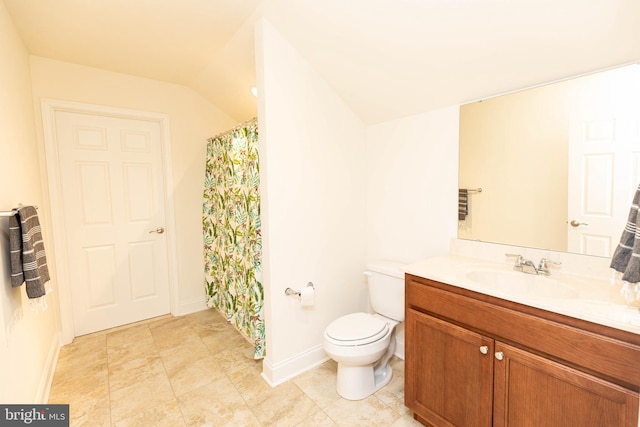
558,164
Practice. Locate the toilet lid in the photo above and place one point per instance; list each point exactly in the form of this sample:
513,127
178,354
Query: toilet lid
357,329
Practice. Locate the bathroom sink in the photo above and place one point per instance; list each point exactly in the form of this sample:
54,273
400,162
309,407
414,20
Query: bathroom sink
521,284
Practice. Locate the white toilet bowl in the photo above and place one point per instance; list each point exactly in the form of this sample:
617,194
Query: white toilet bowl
362,344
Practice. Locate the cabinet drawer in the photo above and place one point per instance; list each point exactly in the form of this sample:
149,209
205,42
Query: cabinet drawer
614,359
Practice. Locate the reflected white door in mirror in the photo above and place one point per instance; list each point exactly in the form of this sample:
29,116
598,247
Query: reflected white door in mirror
547,157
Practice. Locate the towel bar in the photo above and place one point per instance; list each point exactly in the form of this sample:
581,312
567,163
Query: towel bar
12,212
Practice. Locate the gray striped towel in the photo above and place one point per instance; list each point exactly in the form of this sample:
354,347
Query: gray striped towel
28,260
463,203
626,257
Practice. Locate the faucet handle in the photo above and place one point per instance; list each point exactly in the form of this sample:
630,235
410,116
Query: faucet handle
543,268
517,256
519,260
543,263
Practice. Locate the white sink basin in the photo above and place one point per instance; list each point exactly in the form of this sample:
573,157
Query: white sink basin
521,284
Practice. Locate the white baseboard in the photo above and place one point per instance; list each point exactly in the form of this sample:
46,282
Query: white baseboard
275,374
191,306
42,395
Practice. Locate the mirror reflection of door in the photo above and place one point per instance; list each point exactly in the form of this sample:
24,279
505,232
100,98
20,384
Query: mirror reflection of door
604,160
550,156
600,180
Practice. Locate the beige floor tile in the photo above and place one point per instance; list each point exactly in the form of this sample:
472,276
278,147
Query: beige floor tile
397,364
132,371
195,374
319,419
249,383
234,360
87,342
81,353
140,396
406,421
191,350
130,325
284,405
171,337
81,370
167,414
129,335
210,331
88,388
320,384
197,370
206,317
367,412
169,322
90,412
393,393
227,339
239,416
134,350
81,376
210,402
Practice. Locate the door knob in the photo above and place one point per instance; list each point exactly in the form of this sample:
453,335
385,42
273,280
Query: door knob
499,355
484,349
575,223
158,230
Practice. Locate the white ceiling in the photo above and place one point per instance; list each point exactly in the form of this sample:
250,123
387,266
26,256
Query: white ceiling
386,58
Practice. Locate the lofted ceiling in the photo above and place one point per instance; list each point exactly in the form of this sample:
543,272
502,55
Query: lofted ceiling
386,58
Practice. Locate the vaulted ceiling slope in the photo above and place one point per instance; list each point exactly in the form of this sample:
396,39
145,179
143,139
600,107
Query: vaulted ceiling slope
386,58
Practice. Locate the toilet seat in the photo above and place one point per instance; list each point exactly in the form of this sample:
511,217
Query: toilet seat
356,329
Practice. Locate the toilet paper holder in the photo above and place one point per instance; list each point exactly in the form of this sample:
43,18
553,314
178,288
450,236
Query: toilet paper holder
290,291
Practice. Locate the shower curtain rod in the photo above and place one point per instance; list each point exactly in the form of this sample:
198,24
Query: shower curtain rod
236,127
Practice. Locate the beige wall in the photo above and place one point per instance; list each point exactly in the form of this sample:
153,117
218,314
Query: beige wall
28,340
192,121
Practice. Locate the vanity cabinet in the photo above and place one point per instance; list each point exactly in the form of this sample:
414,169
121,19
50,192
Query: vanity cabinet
476,360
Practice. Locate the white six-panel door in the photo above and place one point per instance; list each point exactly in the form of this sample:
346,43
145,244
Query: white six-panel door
604,167
114,217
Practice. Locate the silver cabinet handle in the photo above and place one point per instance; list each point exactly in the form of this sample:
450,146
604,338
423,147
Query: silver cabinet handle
158,230
484,349
575,223
499,355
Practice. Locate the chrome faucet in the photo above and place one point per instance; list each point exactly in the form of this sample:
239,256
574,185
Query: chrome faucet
527,266
532,269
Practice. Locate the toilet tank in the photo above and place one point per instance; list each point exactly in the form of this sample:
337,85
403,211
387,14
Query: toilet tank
386,288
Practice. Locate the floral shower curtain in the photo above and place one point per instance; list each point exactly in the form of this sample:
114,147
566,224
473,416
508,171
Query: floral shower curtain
231,228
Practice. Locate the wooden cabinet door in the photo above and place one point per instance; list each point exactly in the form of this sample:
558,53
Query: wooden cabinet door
532,391
449,378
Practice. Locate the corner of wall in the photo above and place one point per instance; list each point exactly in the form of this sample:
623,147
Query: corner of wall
42,395
312,189
275,374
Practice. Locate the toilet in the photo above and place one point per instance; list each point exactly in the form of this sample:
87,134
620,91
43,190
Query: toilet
363,343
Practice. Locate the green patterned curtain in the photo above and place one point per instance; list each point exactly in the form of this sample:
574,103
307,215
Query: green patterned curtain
231,227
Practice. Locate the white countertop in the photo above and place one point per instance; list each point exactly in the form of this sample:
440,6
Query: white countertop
582,297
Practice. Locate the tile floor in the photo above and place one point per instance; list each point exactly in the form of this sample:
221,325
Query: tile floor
197,370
